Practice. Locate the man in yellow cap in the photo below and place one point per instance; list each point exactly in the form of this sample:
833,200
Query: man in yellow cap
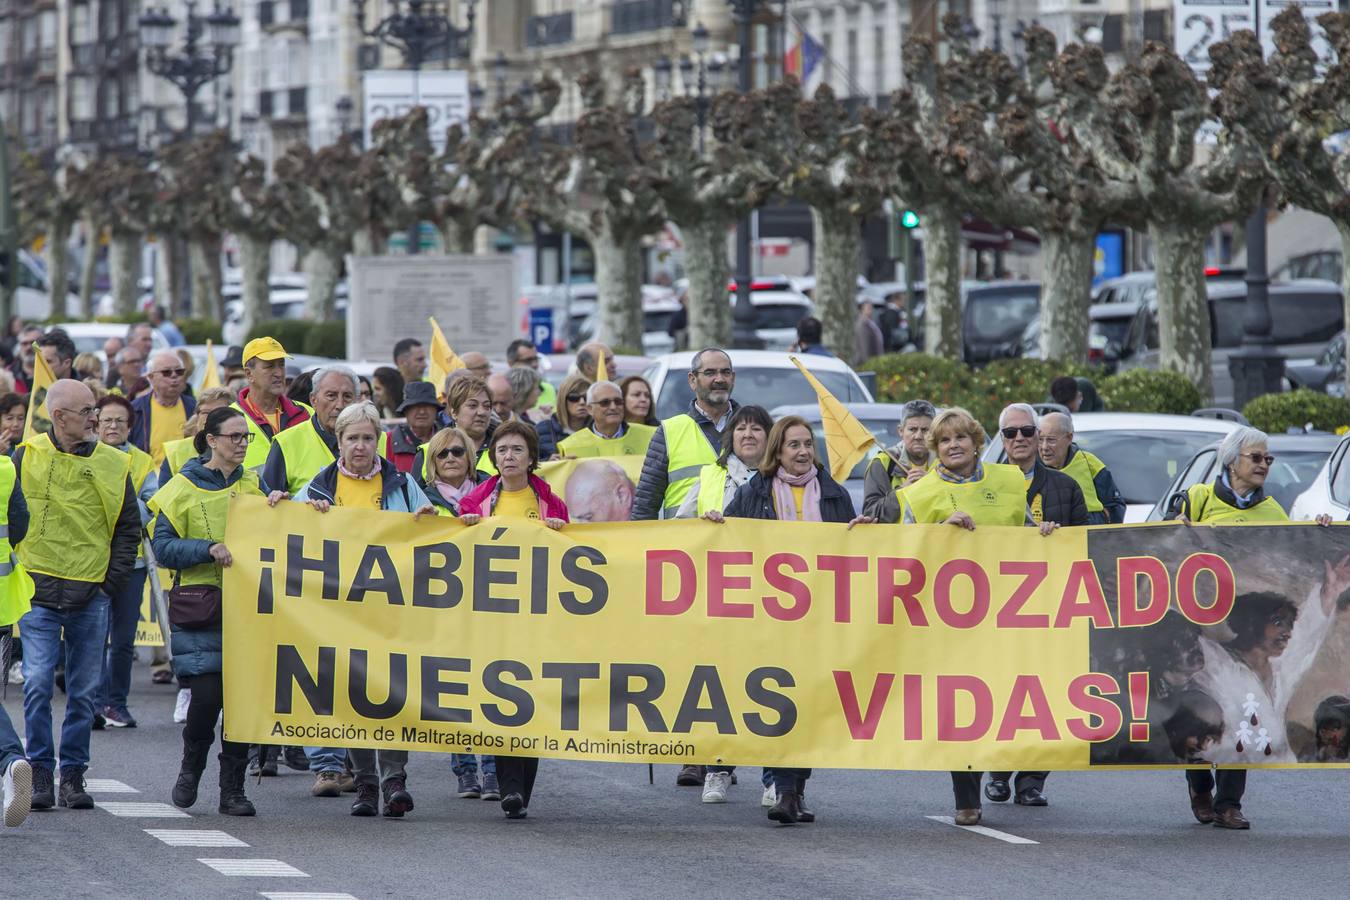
264,402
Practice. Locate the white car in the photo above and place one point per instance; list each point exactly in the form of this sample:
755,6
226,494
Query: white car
1330,490
89,337
32,298
1144,451
763,377
776,316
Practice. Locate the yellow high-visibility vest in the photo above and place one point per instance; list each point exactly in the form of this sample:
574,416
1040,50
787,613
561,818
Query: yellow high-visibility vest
999,498
1207,506
687,452
196,512
16,587
587,443
1083,468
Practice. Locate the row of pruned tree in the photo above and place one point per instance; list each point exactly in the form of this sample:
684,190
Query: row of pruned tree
1060,144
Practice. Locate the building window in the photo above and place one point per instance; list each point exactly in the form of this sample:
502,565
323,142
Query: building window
81,98
81,24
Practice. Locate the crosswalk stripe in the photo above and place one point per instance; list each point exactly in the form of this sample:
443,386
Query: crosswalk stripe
129,810
108,786
175,837
987,832
263,868
303,895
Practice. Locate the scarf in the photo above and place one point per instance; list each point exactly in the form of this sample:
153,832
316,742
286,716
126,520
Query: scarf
374,470
451,494
783,483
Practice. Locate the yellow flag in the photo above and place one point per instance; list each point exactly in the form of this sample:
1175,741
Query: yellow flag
38,420
211,377
846,439
443,360
601,372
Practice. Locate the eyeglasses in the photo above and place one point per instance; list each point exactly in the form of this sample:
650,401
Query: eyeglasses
170,373
610,401
118,422
456,452
716,373
575,398
237,439
83,412
1025,431
1259,458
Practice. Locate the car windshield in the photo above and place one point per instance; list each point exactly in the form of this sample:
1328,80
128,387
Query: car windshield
1113,330
1001,315
1144,463
883,429
1293,473
766,387
779,315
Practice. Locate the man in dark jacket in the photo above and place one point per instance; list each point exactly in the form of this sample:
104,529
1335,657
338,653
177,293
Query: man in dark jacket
86,526
1058,451
665,480
1052,497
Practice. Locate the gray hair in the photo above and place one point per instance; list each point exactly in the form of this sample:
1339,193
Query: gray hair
1063,420
915,409
162,354
1020,407
523,380
361,411
334,369
590,391
1240,439
697,362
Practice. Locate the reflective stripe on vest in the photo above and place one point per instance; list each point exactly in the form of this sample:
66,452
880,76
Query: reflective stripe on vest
999,498
1083,468
196,512
586,443
1207,506
712,488
67,538
305,454
687,452
16,588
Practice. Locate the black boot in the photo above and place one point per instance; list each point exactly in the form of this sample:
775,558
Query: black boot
190,773
787,809
232,799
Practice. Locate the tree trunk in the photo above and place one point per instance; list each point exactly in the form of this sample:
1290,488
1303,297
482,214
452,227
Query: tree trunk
1343,227
457,235
942,278
58,279
1066,294
365,242
838,246
705,262
618,277
123,253
93,231
322,267
1183,307
204,261
255,258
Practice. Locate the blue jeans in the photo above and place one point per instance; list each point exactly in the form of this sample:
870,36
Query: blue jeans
10,746
467,762
124,613
86,631
326,759
790,779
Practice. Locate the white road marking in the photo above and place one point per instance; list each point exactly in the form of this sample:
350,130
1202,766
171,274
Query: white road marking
987,832
142,810
175,837
303,895
108,786
259,868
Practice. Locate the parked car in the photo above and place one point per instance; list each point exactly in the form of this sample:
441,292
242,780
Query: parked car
32,295
763,377
878,418
995,315
89,337
1329,492
1325,372
1132,287
1144,451
1298,460
776,316
1326,264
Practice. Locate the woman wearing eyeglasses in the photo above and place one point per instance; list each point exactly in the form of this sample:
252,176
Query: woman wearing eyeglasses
448,473
572,415
189,539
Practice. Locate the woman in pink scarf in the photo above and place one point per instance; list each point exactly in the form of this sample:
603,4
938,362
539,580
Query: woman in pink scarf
790,486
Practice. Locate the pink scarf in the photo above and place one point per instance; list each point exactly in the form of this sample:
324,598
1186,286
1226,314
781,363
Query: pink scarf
451,494
783,483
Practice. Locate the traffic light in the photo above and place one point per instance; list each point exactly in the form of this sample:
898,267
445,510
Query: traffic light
909,220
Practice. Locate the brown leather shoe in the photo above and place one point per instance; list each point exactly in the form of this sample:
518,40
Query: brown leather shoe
1202,806
969,816
1231,818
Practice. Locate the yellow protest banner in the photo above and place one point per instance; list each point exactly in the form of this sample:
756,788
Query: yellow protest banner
790,644
148,631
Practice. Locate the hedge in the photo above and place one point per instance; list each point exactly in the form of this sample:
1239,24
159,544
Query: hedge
310,338
1146,390
1277,413
199,331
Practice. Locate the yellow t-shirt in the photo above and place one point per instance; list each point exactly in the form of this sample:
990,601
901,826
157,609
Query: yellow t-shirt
362,493
798,495
522,504
166,424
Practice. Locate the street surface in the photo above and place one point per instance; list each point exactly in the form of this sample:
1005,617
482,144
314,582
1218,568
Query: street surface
598,830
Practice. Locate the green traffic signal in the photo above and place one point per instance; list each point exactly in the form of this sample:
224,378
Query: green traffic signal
909,219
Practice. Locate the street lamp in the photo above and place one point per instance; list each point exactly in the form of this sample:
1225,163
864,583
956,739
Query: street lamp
195,65
662,72
344,107
743,317
420,30
499,70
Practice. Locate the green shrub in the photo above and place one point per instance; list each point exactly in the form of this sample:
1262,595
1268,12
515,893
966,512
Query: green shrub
290,332
1028,380
125,319
1144,390
199,331
906,376
326,339
1277,413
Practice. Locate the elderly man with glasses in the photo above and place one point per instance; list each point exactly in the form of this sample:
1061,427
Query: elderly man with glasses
162,413
607,434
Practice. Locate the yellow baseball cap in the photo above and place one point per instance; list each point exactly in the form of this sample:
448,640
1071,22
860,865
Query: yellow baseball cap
264,348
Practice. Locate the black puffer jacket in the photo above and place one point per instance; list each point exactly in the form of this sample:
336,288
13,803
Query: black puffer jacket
754,500
650,495
1061,497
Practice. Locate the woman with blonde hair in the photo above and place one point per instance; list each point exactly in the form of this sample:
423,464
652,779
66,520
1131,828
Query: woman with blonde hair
570,416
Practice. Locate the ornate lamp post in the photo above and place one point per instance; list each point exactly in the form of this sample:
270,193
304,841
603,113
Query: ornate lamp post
207,54
743,317
420,30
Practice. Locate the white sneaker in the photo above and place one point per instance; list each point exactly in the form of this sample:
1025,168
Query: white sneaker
715,785
180,708
18,792
769,797
15,675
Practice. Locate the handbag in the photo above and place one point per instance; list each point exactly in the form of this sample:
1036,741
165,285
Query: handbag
195,606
